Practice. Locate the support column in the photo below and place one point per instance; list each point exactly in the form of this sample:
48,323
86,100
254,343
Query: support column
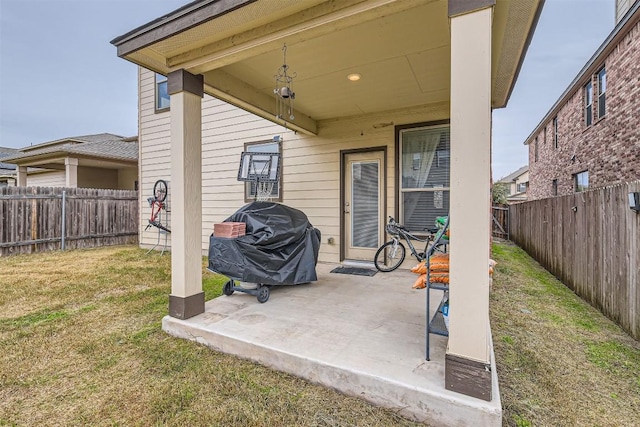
468,358
71,172
21,176
187,298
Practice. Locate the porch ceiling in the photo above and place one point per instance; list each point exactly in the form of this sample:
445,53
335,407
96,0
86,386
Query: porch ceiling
401,48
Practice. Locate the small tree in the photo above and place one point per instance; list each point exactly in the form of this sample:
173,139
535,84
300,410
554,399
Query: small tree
499,193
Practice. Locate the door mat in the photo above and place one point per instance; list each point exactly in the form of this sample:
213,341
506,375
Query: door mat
355,270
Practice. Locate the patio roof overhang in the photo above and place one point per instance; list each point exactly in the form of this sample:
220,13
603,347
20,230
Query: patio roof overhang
56,161
401,49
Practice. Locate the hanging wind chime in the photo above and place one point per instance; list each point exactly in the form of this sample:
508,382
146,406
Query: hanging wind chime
284,91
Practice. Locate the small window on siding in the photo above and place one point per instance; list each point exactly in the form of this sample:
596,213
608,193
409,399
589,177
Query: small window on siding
535,150
581,181
162,93
555,132
554,187
521,187
602,88
588,104
250,187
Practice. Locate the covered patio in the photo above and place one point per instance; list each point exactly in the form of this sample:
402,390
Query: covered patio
445,62
363,336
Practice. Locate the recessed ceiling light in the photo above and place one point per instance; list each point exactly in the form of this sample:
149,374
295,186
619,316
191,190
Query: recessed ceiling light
354,77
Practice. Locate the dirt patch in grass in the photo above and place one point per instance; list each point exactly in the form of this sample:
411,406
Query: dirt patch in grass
81,344
560,361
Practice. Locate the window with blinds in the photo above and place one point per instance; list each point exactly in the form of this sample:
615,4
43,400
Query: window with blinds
424,167
365,204
162,93
602,89
588,104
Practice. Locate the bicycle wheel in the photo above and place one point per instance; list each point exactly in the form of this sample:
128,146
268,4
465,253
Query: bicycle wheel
160,190
389,256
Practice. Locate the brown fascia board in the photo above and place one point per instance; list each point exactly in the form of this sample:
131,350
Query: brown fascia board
182,19
618,32
460,7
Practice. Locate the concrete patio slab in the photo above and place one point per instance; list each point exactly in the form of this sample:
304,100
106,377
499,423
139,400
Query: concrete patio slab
363,336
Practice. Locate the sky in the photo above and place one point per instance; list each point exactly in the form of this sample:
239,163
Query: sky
61,77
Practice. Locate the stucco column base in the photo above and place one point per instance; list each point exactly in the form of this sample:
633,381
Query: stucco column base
468,377
186,307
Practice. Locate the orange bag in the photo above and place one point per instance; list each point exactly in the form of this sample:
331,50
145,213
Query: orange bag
439,257
439,266
421,268
421,282
439,278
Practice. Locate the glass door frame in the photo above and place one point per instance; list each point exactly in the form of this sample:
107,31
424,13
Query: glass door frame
383,172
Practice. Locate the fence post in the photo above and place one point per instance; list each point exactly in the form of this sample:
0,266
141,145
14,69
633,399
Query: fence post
508,223
64,219
34,222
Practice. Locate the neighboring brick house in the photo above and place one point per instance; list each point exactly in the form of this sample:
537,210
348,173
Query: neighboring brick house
591,137
518,183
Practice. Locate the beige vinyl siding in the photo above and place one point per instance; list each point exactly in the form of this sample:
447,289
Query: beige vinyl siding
155,156
47,179
311,178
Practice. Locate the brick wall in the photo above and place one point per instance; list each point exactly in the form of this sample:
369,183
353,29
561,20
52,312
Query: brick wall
609,149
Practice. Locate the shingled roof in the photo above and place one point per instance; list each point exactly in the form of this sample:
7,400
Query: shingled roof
513,176
4,152
104,145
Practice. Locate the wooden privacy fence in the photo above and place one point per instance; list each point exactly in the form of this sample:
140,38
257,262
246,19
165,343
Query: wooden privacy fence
36,219
591,242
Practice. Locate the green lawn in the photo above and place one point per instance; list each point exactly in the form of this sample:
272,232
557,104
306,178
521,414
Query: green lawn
560,361
81,344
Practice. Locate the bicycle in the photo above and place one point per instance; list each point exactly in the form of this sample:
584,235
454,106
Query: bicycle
157,203
390,255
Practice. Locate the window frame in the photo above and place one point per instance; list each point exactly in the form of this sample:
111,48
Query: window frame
535,150
158,81
523,189
580,187
602,98
400,190
588,103
555,132
248,197
554,187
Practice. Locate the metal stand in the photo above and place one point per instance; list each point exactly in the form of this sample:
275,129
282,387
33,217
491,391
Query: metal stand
160,232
